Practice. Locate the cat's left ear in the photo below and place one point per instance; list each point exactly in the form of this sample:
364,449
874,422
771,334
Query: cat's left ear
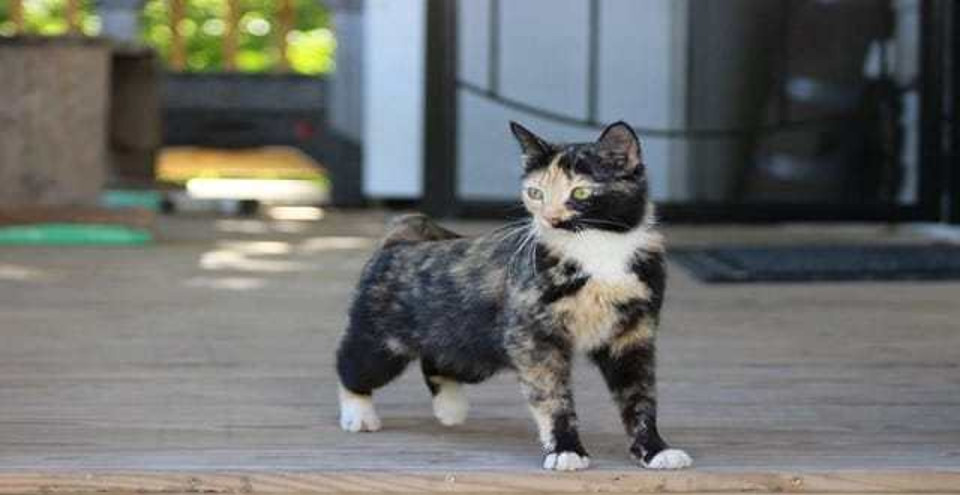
534,148
620,138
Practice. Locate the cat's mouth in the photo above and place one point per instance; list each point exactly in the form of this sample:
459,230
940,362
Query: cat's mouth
567,224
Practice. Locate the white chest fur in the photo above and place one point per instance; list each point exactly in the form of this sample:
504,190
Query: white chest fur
591,315
605,256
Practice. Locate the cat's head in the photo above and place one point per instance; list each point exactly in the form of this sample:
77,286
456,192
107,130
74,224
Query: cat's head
585,186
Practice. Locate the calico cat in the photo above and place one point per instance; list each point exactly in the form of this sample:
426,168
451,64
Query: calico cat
584,274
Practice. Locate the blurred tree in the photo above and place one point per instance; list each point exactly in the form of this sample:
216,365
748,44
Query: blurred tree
310,42
49,17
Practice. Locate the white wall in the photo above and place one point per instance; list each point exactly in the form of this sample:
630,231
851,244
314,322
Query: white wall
544,63
346,84
488,157
544,54
642,79
393,88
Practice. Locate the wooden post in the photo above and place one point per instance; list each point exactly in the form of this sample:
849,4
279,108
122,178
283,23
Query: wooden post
54,154
178,52
16,15
285,19
73,17
231,35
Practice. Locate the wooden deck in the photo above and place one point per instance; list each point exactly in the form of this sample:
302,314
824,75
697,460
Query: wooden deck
204,364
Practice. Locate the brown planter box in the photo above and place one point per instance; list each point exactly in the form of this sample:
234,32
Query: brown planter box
53,120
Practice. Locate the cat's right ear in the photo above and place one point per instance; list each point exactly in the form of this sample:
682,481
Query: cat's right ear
534,149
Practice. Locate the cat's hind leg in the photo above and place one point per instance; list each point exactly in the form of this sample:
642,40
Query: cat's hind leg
363,366
357,412
450,405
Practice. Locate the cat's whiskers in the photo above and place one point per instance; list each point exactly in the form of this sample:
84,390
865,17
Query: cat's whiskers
511,227
532,248
534,239
527,230
520,244
533,257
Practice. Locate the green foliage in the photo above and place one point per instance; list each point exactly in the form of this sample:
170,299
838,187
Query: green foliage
49,17
310,43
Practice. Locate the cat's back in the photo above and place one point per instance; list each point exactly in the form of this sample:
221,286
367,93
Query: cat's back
418,257
430,285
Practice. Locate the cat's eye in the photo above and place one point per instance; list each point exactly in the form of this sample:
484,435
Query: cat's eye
581,193
534,193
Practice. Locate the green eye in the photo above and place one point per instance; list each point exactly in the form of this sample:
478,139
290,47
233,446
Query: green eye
580,193
534,193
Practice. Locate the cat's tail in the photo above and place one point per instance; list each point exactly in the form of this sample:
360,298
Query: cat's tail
416,227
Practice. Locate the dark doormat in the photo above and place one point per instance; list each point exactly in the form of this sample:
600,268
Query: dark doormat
821,263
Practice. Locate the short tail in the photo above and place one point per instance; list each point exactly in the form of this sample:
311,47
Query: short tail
416,227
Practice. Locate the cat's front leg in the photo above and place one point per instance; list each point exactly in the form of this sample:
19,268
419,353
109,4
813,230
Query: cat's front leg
544,367
629,371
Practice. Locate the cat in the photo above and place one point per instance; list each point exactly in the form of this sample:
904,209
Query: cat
585,273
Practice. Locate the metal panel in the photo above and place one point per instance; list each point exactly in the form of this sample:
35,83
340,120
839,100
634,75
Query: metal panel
474,31
544,57
394,82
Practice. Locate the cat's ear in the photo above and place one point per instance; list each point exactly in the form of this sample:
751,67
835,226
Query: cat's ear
620,138
534,148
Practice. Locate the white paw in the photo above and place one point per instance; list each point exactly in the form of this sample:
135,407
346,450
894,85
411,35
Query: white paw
566,461
450,405
357,412
670,459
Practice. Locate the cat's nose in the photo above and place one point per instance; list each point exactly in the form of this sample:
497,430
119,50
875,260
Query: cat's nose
553,220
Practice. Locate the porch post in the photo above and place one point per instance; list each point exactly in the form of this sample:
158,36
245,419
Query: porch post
232,36
16,16
286,18
73,17
178,48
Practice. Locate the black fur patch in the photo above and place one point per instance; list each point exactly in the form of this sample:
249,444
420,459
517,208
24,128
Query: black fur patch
544,260
632,311
554,292
647,443
566,436
650,269
559,280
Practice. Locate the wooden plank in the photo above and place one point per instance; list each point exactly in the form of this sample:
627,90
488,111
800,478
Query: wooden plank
178,47
466,482
131,217
213,351
232,35
286,19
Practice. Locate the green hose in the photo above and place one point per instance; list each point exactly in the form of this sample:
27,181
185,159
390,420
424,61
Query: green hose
73,234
